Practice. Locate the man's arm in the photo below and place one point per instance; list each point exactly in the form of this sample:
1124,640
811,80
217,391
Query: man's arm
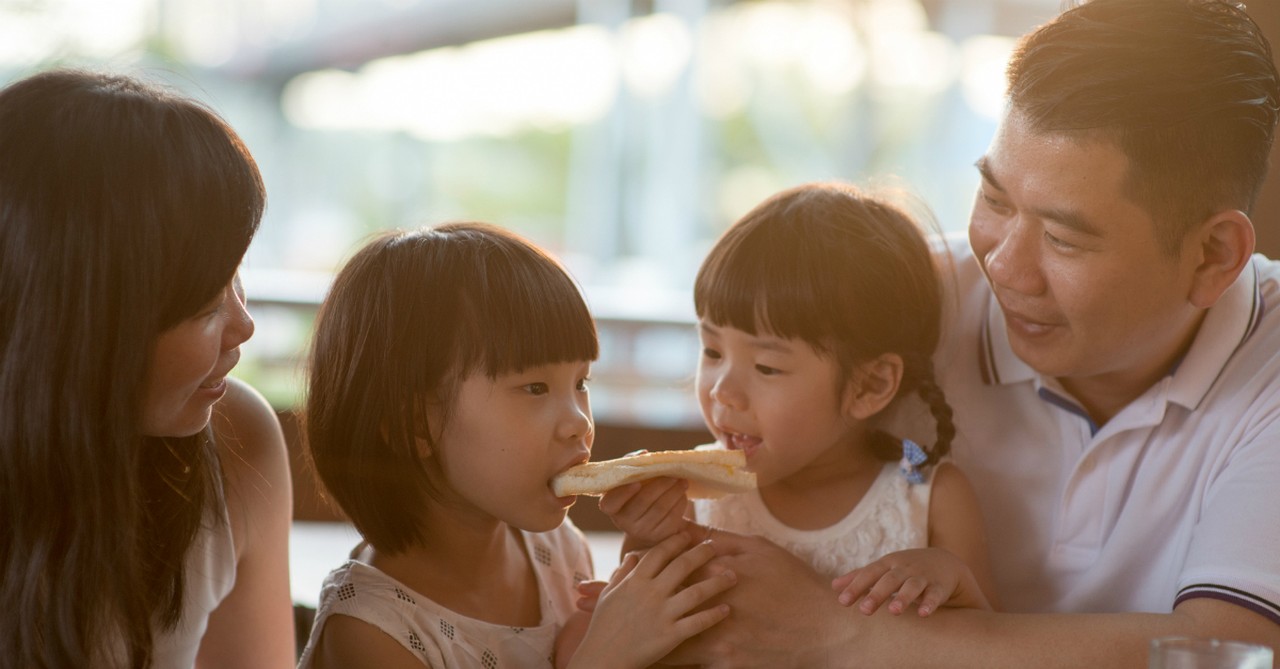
783,615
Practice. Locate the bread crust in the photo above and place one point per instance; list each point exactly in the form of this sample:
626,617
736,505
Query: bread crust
710,472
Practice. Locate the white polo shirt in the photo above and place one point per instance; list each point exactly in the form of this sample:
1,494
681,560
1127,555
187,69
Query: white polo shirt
1178,496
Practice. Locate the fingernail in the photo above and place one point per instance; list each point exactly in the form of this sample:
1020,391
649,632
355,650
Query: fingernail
845,598
728,573
866,607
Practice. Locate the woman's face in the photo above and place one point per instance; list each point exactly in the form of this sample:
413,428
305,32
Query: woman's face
188,370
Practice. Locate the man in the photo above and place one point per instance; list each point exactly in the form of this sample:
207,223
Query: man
1112,364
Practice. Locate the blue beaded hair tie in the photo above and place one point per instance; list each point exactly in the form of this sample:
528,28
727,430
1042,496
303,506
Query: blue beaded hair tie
912,457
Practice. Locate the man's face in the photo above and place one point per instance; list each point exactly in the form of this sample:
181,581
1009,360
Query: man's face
1088,294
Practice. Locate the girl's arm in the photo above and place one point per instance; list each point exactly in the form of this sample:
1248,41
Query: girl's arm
349,643
956,525
952,572
253,626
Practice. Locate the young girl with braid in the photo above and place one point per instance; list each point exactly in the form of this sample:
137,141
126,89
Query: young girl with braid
817,310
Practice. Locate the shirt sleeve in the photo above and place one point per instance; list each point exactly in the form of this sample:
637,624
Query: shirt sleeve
1234,554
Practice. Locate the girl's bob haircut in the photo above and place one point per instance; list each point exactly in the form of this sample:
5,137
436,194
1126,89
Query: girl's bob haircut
408,318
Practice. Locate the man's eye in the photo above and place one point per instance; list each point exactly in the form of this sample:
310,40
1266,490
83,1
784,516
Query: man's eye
1058,242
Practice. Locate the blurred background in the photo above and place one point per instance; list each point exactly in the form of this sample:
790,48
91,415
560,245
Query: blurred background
622,135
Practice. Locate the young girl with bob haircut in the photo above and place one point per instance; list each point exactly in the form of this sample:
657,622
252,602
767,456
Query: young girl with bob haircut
448,386
817,310
144,494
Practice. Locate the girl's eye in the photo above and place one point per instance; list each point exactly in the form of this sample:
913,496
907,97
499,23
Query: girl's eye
212,310
711,353
582,383
538,388
767,371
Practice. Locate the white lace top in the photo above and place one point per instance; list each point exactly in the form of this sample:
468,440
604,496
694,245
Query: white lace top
444,639
893,515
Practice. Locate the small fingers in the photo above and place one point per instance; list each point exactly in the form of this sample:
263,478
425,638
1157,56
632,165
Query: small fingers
656,559
679,569
697,623
934,596
627,565
878,593
907,593
613,501
698,593
857,582
589,594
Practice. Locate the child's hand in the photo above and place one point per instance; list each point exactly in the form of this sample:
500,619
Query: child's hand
646,610
934,576
589,594
648,511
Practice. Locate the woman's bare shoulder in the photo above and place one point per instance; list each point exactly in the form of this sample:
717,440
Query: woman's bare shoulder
254,457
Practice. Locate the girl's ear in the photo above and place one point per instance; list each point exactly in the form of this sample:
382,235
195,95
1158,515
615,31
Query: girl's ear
428,417
873,386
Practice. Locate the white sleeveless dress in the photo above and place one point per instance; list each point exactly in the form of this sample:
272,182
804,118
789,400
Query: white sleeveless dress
443,639
893,515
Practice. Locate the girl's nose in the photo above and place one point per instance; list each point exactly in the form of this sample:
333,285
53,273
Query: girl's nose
725,391
577,425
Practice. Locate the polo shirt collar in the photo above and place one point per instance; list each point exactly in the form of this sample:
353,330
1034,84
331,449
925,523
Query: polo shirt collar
1226,326
999,364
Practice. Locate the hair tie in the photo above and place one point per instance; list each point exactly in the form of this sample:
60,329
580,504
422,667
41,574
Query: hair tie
912,457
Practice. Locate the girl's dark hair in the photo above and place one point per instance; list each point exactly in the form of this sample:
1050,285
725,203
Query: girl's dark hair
1187,89
406,320
124,208
847,273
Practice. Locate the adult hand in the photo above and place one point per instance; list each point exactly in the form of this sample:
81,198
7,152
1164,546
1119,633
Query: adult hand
783,614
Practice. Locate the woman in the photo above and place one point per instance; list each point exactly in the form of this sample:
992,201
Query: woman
144,495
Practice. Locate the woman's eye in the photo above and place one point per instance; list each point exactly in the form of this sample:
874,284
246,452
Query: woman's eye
538,388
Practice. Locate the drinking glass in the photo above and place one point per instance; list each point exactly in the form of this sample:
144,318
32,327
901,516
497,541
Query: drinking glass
1194,653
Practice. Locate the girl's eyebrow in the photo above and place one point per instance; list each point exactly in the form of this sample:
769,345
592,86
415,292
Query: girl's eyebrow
757,342
770,344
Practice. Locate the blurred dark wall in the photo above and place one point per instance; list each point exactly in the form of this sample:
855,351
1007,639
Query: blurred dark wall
1266,215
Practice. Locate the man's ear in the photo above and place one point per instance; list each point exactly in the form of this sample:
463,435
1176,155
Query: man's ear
873,386
1220,247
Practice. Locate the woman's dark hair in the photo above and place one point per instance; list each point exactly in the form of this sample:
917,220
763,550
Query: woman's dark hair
124,208
847,273
407,319
1187,89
